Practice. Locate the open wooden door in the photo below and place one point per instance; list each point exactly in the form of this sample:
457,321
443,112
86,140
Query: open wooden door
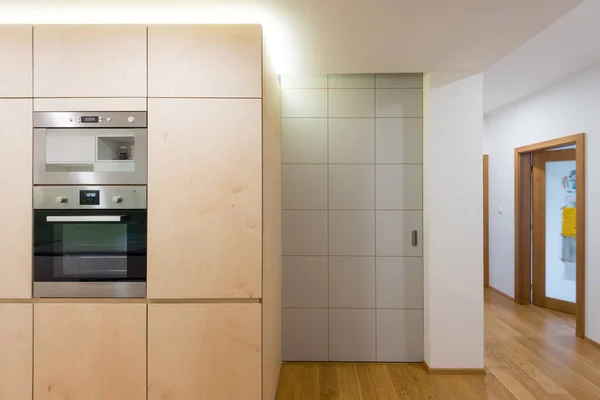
554,230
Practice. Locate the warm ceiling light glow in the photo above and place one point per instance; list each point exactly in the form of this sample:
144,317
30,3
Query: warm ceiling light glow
150,12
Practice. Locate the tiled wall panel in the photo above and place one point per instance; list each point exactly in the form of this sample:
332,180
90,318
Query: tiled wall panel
352,195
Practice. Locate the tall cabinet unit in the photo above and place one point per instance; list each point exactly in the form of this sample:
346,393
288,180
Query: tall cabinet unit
271,279
207,232
92,349
16,329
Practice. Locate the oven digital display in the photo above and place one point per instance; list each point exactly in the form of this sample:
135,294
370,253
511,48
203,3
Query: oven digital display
90,119
89,197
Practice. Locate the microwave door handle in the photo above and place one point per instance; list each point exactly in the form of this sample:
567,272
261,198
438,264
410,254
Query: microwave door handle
86,218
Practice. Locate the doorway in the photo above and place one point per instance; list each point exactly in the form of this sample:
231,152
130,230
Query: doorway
550,226
554,221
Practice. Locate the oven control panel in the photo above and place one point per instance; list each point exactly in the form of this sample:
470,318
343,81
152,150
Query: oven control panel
89,197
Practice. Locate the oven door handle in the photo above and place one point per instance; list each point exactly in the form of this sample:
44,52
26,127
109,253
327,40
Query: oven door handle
86,218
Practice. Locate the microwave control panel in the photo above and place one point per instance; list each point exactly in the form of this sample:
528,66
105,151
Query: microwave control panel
104,119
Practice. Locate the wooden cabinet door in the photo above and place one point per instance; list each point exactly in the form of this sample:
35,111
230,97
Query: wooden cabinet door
91,351
204,351
90,60
205,198
204,61
16,53
16,351
16,134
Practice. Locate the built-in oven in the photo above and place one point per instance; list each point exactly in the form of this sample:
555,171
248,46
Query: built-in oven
89,241
90,148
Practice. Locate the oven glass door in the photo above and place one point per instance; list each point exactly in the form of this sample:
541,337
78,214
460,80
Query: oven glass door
89,245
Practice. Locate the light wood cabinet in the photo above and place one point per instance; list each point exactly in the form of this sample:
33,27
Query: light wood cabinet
16,53
16,350
16,134
271,298
205,198
204,351
92,351
90,61
204,61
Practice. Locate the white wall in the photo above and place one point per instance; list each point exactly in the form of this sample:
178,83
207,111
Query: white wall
453,221
571,106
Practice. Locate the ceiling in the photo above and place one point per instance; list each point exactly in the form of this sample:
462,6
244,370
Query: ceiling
568,46
337,36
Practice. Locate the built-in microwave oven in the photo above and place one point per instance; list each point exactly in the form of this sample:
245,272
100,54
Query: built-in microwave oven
89,241
90,148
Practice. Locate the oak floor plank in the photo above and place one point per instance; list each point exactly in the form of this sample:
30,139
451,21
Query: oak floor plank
310,382
290,382
329,384
489,386
384,388
422,386
365,382
349,388
405,384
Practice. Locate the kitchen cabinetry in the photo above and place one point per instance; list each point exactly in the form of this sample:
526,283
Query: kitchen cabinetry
92,351
204,351
205,198
90,60
271,293
214,229
211,61
15,351
16,53
16,134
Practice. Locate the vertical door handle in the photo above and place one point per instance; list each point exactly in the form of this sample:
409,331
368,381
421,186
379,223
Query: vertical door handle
415,238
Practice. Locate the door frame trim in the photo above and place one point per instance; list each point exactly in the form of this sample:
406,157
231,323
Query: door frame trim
486,221
523,264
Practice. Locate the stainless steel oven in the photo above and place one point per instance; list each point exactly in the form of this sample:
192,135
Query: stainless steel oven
90,148
89,241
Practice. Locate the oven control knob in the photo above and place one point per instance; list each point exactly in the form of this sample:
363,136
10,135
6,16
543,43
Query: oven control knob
61,199
130,119
117,199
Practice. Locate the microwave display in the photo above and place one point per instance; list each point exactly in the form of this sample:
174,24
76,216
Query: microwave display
89,197
90,119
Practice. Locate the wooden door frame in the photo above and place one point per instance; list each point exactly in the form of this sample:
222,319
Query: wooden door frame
486,221
523,221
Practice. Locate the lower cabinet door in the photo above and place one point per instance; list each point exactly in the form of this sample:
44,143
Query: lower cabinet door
16,345
204,351
89,351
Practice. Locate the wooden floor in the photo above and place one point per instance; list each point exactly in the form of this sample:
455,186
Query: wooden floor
530,353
